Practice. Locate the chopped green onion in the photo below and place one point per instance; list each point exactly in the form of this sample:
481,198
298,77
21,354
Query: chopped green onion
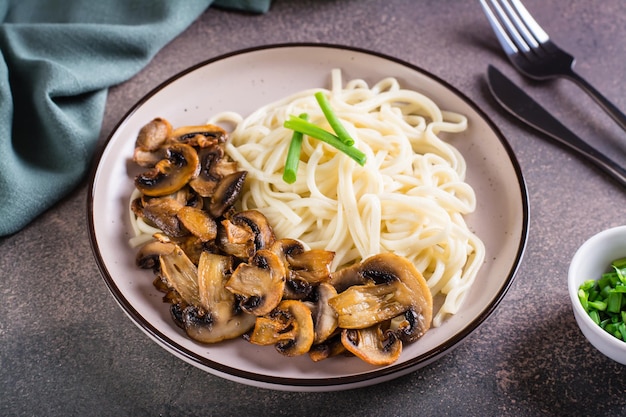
293,155
604,299
614,302
619,263
333,120
314,131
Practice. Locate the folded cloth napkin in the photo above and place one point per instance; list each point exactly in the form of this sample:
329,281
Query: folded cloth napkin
57,60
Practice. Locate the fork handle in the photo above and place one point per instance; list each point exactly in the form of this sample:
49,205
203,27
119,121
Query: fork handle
610,108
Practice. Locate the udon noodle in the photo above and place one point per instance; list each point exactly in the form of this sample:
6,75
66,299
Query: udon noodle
409,198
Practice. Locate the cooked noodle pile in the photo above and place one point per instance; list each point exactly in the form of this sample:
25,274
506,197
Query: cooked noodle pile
409,198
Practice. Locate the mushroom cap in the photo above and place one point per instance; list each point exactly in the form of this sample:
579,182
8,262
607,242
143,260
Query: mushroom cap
386,268
153,135
372,345
362,306
260,282
201,136
171,173
198,223
289,327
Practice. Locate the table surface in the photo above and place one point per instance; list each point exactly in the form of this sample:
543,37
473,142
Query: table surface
66,348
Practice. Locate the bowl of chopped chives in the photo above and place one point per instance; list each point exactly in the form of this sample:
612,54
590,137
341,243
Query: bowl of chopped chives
597,288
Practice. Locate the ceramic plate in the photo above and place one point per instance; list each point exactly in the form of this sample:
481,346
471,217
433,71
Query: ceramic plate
243,81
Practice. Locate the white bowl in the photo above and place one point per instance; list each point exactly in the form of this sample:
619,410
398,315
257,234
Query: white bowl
243,81
589,262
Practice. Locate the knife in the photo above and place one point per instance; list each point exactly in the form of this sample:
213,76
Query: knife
526,109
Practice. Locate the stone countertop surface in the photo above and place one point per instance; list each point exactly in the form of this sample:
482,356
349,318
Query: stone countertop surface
67,349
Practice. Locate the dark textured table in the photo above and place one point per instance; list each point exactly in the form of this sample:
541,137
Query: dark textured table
67,349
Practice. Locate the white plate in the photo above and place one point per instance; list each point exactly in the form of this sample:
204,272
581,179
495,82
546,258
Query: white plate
243,81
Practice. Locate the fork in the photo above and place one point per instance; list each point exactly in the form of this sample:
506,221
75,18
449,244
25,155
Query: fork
531,51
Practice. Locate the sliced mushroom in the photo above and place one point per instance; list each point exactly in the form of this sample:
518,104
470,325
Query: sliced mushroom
236,240
198,222
289,327
153,135
344,278
148,255
218,316
325,317
162,213
226,193
372,345
181,274
389,266
307,268
244,233
362,306
312,265
201,136
213,167
171,173
384,269
260,282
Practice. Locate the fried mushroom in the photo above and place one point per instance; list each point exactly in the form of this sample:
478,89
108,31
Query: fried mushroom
260,283
244,233
201,136
289,327
218,316
171,173
372,345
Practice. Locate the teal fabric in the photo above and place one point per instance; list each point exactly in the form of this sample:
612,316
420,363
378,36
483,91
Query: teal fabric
57,60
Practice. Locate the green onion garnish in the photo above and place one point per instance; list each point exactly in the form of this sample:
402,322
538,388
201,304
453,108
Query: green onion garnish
604,300
314,131
293,155
333,120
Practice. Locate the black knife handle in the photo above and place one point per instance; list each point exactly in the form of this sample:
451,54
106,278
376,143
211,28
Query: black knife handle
556,130
525,108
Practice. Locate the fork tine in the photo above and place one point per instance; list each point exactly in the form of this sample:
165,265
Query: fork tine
505,41
518,20
537,31
508,27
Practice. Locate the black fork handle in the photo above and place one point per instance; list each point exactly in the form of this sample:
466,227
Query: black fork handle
612,110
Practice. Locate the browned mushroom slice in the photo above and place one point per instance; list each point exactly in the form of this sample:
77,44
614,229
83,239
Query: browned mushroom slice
200,136
148,255
344,278
325,317
289,327
213,167
181,274
217,317
372,345
235,240
244,233
387,268
162,213
171,173
198,222
226,193
310,266
260,282
362,306
153,135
